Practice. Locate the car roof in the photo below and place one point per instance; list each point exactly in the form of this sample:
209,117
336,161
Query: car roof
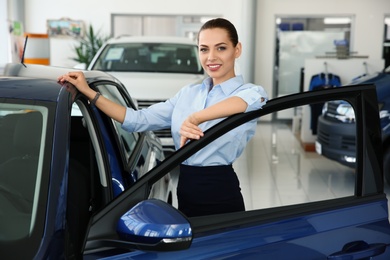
29,88
52,73
41,80
152,39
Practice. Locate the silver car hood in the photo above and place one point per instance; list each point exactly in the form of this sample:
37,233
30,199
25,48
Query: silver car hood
155,86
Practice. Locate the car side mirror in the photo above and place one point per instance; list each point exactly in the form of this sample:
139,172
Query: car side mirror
80,66
155,225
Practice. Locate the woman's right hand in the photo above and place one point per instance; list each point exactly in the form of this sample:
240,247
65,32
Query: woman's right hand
77,79
110,108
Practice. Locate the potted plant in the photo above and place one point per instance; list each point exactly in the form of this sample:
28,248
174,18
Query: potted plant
88,46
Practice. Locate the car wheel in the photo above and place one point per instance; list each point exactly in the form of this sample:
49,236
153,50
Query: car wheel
386,165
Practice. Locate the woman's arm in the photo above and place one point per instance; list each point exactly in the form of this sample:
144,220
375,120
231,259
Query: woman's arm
110,108
230,106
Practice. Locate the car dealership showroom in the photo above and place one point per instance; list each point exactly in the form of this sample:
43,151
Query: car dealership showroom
92,167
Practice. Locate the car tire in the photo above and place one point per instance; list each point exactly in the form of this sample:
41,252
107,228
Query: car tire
386,165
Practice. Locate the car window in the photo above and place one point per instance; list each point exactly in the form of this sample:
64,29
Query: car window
290,171
278,168
149,57
23,131
127,140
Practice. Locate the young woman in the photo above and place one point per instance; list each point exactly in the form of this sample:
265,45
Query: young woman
207,183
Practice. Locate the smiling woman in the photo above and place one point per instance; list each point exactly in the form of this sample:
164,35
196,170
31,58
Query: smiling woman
220,95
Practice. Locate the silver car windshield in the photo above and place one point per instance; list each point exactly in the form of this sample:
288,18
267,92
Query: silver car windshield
22,139
149,57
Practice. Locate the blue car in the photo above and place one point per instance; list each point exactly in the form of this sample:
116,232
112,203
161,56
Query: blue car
62,160
53,208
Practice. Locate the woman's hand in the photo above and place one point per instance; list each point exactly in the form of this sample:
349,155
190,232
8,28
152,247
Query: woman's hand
110,108
190,130
227,107
77,79
71,89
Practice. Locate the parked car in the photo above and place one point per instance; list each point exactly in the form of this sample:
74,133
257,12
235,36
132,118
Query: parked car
335,136
39,222
61,163
152,69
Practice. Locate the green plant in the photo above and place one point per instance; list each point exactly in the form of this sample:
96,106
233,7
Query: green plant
88,46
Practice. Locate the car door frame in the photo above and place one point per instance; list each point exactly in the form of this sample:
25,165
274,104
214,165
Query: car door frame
369,173
113,163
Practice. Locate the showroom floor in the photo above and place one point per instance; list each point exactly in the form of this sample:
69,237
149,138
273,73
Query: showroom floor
288,174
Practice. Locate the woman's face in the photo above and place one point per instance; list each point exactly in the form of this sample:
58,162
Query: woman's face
217,54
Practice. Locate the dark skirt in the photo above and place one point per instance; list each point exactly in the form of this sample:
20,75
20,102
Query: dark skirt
208,190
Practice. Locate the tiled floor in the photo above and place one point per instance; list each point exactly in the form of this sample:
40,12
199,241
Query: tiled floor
275,170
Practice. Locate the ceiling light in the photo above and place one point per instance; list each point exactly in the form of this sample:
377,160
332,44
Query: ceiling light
337,20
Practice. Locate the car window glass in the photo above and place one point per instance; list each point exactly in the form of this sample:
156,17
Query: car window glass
149,57
23,131
127,140
114,54
283,163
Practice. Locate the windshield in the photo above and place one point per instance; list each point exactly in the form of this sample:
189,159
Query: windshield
149,57
22,133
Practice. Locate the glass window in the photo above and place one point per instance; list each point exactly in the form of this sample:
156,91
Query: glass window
278,168
299,39
127,140
149,57
22,132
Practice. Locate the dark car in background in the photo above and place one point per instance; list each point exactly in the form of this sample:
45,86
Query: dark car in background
336,137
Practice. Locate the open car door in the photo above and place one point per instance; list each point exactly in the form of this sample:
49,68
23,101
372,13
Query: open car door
351,225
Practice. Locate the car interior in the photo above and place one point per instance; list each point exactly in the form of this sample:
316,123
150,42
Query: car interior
81,184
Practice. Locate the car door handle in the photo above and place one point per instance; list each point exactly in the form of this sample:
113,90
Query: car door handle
358,250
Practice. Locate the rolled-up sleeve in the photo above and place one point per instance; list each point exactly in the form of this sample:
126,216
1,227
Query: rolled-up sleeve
254,96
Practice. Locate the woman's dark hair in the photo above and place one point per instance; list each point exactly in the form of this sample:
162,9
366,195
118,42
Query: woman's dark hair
223,24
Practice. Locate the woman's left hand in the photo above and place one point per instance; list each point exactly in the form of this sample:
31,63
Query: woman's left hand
190,130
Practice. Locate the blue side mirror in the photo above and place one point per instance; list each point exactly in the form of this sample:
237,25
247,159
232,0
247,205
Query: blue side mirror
155,225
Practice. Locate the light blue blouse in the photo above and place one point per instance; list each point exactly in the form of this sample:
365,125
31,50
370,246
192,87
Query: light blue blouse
192,98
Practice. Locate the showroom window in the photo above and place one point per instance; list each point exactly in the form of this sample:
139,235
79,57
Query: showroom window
300,38
157,25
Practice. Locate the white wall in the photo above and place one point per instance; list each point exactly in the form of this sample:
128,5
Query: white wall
98,13
367,35
4,44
